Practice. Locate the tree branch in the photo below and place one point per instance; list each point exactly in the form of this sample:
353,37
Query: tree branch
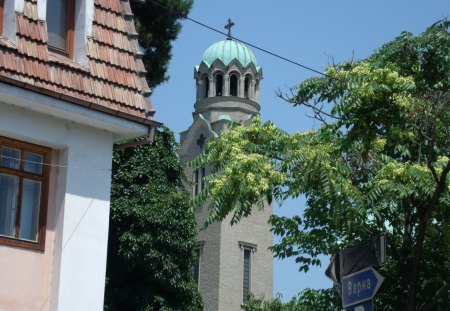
313,107
441,291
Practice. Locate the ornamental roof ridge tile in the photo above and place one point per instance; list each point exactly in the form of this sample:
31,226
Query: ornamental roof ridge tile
126,9
114,79
30,10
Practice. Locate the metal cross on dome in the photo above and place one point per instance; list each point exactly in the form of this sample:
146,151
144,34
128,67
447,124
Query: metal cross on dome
228,26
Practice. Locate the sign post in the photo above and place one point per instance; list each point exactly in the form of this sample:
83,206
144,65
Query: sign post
360,286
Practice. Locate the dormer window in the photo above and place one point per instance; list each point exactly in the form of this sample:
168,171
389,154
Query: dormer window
60,26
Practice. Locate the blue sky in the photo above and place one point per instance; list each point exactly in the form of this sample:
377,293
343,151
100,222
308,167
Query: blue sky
313,33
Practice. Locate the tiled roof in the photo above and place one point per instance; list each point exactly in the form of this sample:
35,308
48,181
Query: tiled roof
113,82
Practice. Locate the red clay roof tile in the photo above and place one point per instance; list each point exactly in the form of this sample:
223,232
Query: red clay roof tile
114,39
32,29
112,5
110,19
32,48
113,81
101,52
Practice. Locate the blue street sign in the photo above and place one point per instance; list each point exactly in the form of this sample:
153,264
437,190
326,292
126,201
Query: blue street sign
364,306
360,286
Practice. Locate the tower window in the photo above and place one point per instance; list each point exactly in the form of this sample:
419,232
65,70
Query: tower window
246,87
60,25
199,180
206,87
248,249
233,85
196,268
196,184
246,275
202,176
219,85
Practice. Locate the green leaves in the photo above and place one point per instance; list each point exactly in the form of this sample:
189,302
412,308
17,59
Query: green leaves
158,24
379,163
152,231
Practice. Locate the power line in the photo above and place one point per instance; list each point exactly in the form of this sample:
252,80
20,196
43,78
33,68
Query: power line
245,42
55,165
257,47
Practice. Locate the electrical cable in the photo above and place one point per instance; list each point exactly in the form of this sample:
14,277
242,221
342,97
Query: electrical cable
258,48
55,165
245,42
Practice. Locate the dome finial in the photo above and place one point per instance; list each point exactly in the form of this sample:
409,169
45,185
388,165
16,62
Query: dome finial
228,26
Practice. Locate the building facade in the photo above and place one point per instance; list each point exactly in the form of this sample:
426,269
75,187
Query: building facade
72,85
233,260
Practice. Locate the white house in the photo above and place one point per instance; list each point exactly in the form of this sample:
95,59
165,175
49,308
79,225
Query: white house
71,86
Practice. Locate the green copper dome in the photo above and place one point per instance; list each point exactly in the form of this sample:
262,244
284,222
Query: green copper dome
226,51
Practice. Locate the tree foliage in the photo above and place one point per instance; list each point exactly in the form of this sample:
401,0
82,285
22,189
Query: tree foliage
378,163
307,300
158,24
152,232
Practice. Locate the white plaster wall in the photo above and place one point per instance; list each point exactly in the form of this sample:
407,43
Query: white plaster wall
78,226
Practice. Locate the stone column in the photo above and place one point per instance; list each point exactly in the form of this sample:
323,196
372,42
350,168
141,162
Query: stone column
212,89
241,86
257,91
251,94
226,85
200,90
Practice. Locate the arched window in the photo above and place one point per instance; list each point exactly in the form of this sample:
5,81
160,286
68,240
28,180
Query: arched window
233,85
247,87
206,86
219,85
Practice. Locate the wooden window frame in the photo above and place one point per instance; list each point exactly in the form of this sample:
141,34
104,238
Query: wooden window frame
43,178
70,32
1,16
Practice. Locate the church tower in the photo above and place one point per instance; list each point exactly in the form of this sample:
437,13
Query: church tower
233,260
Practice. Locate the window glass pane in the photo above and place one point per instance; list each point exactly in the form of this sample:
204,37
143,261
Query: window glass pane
197,185
233,85
10,158
57,23
8,203
29,213
203,178
33,163
246,283
196,271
